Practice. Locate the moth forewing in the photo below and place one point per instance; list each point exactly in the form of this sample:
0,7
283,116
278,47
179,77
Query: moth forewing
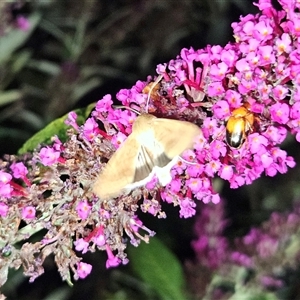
148,158
175,136
119,171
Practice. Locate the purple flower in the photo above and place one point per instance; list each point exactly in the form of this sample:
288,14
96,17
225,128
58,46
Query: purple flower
49,156
112,261
187,208
28,213
83,269
90,129
83,209
71,120
23,23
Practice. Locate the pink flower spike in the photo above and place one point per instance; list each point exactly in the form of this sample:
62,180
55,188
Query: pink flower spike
28,212
83,209
112,261
83,269
209,128
298,136
3,209
252,237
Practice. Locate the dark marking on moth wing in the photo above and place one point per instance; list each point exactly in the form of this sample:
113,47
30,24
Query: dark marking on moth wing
147,161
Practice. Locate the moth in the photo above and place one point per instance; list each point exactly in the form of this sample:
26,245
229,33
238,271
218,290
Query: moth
153,147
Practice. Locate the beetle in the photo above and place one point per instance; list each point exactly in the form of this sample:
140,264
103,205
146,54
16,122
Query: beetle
239,124
152,89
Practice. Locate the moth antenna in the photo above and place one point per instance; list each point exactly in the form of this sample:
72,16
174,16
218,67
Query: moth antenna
127,107
157,80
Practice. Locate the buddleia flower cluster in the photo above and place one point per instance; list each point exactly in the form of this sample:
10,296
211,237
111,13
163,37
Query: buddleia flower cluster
50,190
262,262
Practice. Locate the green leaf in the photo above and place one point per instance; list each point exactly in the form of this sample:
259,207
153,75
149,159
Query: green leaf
9,97
44,66
19,60
159,268
15,38
84,88
56,127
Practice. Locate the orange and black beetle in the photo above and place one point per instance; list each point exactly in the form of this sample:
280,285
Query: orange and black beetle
238,125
